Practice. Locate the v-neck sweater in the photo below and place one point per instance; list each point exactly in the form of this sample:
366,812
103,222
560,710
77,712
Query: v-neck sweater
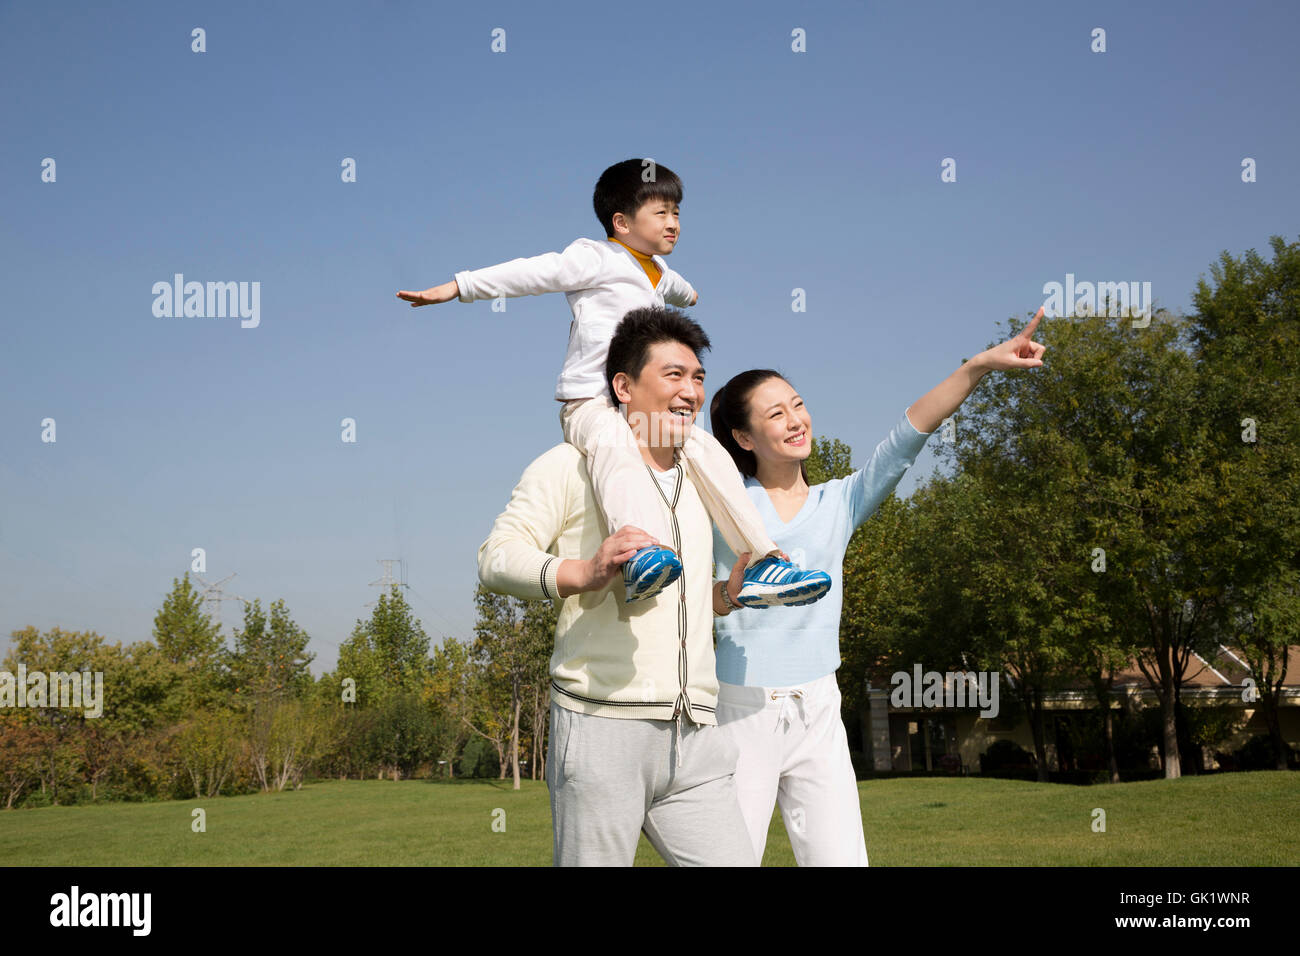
785,646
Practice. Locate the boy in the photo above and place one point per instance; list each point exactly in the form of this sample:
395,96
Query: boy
637,203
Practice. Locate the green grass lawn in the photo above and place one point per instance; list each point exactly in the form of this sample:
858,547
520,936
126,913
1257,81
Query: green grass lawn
1240,819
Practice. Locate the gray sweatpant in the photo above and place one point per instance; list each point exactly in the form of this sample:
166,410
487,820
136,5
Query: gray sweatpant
612,777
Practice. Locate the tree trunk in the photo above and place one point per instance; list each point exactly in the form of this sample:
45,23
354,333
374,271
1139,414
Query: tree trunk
1108,724
1102,686
1190,755
544,721
514,735
1169,722
1268,703
537,728
1034,706
864,725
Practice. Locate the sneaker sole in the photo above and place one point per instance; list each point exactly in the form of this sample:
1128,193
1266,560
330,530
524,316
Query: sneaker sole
794,596
646,590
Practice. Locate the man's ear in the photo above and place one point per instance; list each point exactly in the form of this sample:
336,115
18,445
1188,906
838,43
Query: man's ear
622,387
742,439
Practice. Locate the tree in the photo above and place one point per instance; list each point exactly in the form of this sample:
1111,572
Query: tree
207,747
513,646
1097,451
270,659
828,459
190,639
58,723
540,621
451,690
387,654
1246,335
403,733
22,753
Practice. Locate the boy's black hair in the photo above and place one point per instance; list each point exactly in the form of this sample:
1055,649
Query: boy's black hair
624,188
629,349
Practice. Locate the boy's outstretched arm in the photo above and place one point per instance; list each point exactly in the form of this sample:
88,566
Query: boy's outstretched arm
432,296
577,267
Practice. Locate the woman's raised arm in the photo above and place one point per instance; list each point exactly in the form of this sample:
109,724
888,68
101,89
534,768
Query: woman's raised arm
929,411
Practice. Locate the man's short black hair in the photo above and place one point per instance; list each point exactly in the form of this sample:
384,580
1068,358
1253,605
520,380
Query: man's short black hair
629,349
627,186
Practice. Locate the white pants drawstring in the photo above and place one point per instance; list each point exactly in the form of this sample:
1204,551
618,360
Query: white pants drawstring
788,710
677,737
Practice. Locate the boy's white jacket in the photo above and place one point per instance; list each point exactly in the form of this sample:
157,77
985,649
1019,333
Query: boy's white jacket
650,659
602,282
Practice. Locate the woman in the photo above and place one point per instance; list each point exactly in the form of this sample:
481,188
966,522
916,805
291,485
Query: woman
778,698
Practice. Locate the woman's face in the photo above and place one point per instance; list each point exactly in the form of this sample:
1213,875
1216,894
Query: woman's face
780,429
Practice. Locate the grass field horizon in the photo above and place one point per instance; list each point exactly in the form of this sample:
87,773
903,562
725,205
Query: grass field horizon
1242,819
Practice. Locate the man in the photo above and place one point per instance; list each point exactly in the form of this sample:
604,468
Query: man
634,743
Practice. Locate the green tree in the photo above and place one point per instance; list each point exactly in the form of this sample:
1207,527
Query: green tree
879,610
1096,452
55,728
513,647
403,735
540,620
389,653
190,639
828,459
452,691
1246,335
270,659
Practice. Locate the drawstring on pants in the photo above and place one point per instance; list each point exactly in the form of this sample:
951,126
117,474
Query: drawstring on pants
677,736
788,710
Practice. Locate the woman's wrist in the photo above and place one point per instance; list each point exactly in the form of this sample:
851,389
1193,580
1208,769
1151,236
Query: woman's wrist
723,599
720,608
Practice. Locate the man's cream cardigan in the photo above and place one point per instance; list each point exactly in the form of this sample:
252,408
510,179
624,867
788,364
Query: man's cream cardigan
650,659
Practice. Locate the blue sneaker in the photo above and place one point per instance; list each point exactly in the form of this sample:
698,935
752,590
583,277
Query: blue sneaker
649,571
773,582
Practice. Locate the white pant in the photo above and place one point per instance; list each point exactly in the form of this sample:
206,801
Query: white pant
793,749
626,492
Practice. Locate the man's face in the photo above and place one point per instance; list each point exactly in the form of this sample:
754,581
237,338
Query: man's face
653,231
664,399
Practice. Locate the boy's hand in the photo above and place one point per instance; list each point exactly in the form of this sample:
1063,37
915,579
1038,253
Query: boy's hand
438,293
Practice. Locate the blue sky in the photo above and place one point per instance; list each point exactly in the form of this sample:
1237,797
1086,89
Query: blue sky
816,170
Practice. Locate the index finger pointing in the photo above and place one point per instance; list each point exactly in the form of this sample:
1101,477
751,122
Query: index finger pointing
1028,331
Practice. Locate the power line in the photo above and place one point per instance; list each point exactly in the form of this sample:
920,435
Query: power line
215,594
452,627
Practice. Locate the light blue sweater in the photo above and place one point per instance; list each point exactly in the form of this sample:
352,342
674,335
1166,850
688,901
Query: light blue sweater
783,646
